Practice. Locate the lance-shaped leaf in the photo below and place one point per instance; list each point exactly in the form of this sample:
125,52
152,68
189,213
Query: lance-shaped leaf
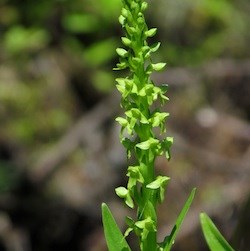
114,238
214,238
171,238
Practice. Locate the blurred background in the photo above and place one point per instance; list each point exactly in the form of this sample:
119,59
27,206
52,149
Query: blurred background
60,155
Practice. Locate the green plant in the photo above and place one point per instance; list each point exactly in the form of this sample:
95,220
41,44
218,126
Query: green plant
214,238
144,189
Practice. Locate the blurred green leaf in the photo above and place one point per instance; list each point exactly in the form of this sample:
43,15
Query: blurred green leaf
19,39
106,9
100,52
80,23
103,81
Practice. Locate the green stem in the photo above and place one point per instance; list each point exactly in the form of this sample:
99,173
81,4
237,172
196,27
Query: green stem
150,243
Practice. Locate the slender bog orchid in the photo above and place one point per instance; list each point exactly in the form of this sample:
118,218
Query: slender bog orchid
139,99
142,116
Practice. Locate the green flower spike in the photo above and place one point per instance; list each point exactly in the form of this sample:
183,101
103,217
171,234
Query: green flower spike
139,97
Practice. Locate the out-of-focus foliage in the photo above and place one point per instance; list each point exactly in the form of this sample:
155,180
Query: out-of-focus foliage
56,60
82,36
31,31
203,29
16,40
30,26
24,106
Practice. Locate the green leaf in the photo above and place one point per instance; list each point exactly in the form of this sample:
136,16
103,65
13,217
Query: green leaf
214,238
15,40
114,238
176,228
80,23
100,52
